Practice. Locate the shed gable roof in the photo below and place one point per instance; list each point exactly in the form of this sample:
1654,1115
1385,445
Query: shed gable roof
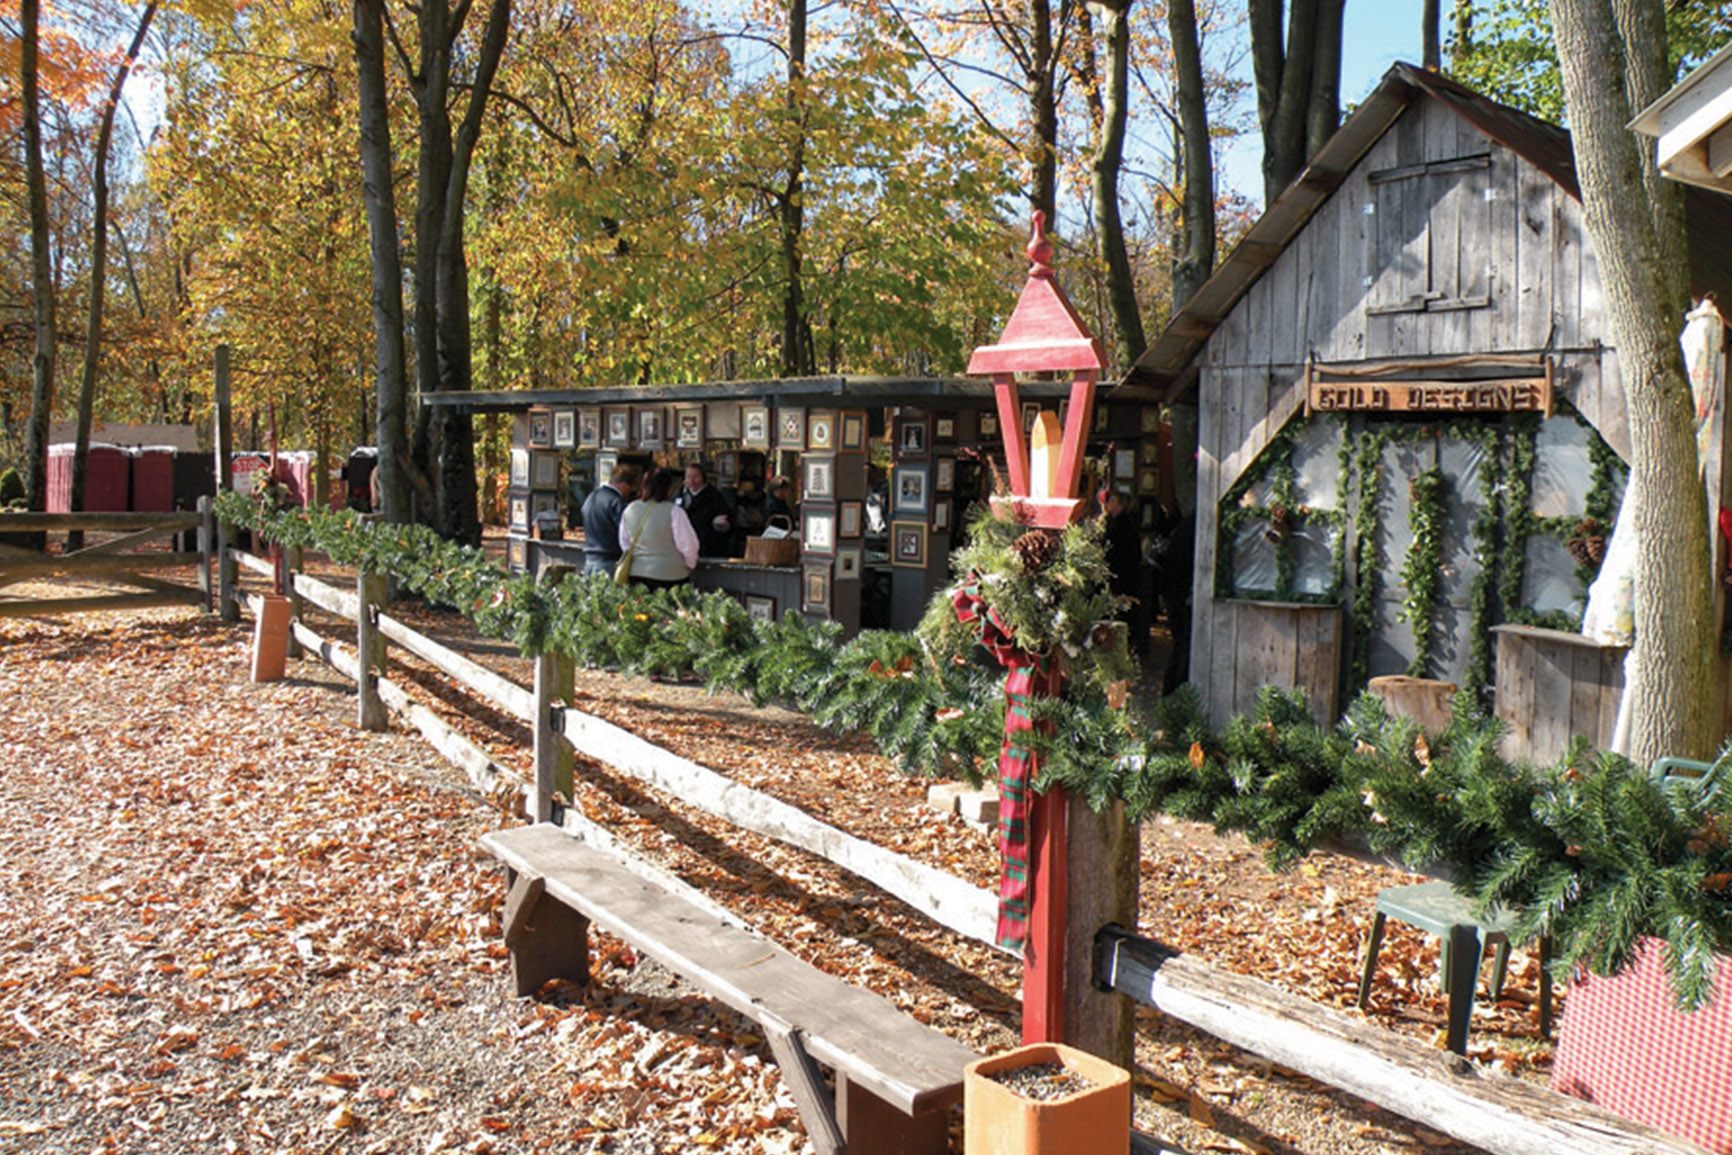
1165,371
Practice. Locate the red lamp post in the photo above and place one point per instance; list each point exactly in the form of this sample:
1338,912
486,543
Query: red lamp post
1044,335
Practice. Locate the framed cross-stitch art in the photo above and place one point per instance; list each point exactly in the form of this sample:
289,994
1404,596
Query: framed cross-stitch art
848,563
821,429
944,475
564,429
943,428
727,468
941,517
790,429
689,427
910,494
544,470
1101,416
1151,419
649,428
988,424
517,517
589,429
542,504
1124,463
760,609
520,467
817,478
605,464
908,544
850,516
911,434
618,428
755,426
517,554
852,437
818,529
541,429
815,589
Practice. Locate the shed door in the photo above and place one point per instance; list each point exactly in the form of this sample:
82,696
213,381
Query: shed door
1431,230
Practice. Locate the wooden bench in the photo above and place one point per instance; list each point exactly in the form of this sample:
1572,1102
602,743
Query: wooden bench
894,1077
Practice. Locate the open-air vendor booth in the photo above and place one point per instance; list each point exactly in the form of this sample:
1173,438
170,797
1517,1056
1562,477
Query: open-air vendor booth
884,472
1412,438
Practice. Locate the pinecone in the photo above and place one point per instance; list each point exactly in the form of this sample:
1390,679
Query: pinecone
1597,549
1578,547
1034,550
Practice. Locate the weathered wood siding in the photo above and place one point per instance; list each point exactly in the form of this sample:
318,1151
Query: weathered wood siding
1433,218
1274,644
1553,686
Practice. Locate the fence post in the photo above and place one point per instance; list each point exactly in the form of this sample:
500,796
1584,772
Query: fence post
228,573
206,550
292,562
369,651
555,678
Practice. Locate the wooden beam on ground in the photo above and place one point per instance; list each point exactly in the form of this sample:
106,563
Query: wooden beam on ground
48,607
1444,1092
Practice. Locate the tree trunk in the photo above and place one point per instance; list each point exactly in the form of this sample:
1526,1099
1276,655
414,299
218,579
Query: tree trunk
1323,111
797,353
1612,58
1195,257
99,272
1430,26
1043,112
1284,134
41,263
1462,46
391,381
1108,161
1299,90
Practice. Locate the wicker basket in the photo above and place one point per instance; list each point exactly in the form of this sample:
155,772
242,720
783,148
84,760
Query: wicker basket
784,551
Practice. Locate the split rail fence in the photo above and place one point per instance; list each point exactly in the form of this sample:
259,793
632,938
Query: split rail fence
114,560
1499,1113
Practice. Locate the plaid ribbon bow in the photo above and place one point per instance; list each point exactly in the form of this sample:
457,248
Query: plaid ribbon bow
1031,676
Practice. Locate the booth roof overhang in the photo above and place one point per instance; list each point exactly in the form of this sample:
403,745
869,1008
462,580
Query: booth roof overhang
837,391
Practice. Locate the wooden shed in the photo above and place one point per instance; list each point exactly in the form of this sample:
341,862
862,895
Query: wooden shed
1693,122
1411,431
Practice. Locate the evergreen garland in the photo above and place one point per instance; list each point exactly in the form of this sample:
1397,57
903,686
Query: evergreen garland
1422,569
1476,680
1285,517
1368,558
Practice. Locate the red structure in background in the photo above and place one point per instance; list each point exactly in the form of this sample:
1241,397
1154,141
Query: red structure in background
153,479
107,480
1044,335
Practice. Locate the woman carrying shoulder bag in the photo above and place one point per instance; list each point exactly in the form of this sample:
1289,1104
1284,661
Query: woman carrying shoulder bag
658,535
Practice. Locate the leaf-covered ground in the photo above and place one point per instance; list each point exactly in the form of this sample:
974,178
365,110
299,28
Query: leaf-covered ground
234,922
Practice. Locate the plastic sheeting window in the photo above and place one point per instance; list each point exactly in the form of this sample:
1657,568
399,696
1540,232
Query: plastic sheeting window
1290,546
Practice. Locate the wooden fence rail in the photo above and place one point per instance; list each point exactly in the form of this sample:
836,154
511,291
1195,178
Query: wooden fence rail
114,561
1500,1114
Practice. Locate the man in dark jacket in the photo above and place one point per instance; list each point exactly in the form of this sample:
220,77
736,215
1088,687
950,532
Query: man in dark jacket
1123,538
602,510
708,512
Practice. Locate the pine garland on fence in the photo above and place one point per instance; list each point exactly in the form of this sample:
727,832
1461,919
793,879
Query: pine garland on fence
1593,850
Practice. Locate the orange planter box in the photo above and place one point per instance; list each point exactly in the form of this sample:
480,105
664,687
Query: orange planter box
271,639
999,1121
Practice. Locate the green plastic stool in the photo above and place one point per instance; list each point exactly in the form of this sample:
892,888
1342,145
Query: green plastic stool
1436,908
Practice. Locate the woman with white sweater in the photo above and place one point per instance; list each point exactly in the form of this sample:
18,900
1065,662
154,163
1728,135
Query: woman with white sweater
666,545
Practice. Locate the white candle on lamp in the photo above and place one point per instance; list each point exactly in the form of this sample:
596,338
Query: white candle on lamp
1045,442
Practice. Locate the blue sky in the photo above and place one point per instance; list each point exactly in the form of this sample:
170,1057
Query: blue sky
1378,33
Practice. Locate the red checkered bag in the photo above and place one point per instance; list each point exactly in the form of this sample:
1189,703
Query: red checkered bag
1624,1048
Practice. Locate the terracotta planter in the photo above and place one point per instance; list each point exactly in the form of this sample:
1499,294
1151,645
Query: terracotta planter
1625,1048
1000,1121
271,639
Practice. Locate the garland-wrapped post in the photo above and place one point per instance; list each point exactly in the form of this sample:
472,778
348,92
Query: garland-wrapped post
1052,853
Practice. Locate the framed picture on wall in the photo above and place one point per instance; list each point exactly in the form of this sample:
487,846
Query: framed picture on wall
1148,482
817,478
850,516
911,490
760,608
542,504
852,437
689,427
564,429
815,589
517,553
818,529
941,517
821,429
790,429
727,468
540,429
988,423
649,428
1100,418
944,428
848,563
589,429
619,428
544,470
605,464
1151,419
517,513
908,544
1124,463
910,438
755,426
520,467
944,475
1030,413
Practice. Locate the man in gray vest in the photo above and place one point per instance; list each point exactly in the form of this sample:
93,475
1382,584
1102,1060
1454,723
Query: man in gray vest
602,510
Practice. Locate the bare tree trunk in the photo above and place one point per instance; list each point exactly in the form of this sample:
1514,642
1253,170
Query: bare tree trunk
41,263
1299,89
1108,161
1043,111
1430,25
391,381
99,272
797,353
1323,111
1612,56
1195,257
